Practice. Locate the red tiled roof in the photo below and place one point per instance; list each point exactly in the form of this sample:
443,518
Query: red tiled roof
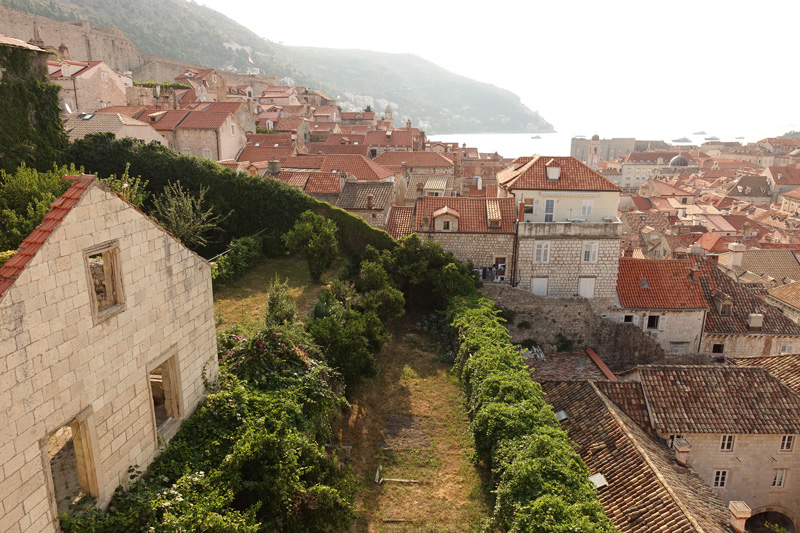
166,120
310,162
789,175
359,166
258,154
650,158
11,270
132,111
398,224
312,182
354,115
204,120
388,138
414,159
657,284
289,124
473,213
223,107
718,399
353,129
323,126
337,149
785,367
345,138
575,176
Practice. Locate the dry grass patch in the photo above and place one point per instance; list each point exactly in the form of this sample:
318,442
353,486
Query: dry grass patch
243,301
411,420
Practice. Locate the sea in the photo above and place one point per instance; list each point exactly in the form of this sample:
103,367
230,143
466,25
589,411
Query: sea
511,145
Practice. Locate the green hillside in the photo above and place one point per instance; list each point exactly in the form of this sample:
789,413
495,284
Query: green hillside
432,97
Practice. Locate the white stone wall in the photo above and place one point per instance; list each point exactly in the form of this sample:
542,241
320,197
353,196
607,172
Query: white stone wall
677,330
750,468
57,361
480,248
564,266
744,345
791,312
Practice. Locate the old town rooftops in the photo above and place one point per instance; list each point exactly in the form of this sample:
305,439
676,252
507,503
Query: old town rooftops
539,173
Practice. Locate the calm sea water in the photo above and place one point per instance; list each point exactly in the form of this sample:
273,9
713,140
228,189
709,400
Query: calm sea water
521,144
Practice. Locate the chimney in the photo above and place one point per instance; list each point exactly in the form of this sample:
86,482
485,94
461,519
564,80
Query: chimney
740,512
736,250
755,321
629,250
713,259
408,123
63,52
370,200
426,223
274,167
695,274
682,449
696,249
521,212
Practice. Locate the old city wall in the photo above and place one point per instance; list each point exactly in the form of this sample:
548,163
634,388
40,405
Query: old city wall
61,362
621,346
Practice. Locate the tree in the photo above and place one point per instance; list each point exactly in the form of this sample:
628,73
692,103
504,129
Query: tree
315,237
132,190
368,109
183,215
281,307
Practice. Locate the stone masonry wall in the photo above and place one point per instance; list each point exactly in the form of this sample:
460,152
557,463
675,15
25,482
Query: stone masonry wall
565,266
480,248
677,330
57,360
620,346
744,345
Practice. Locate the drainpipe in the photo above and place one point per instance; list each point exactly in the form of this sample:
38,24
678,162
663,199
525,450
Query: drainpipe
702,329
219,145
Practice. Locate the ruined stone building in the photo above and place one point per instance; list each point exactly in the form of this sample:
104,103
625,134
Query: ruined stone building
107,327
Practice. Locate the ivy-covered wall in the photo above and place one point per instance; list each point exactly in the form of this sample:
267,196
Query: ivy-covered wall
31,130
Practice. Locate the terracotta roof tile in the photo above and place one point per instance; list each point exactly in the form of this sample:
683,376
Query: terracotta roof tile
628,396
289,124
658,284
257,154
345,138
717,399
305,162
565,366
473,213
204,120
414,159
388,138
359,166
785,367
337,149
398,224
166,120
574,176
789,175
647,491
354,195
779,264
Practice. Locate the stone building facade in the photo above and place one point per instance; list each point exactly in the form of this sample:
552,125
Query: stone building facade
107,327
86,87
211,135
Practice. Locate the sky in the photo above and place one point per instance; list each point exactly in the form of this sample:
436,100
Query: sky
633,68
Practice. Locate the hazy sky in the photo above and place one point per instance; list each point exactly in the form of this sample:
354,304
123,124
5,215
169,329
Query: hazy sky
613,67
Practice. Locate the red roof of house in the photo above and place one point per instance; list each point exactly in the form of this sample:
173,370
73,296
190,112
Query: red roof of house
204,120
353,129
222,107
714,243
413,159
311,162
289,124
323,126
194,74
399,221
337,149
165,120
575,176
269,139
312,182
789,175
354,115
52,219
388,138
473,213
86,67
657,284
359,166
345,138
258,154
132,111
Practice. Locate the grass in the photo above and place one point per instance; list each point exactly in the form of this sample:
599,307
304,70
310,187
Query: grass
243,301
412,384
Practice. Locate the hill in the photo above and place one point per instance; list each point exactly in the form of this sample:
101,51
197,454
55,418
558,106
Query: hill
432,97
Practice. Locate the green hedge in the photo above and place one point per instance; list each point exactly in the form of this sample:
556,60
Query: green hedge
541,484
243,254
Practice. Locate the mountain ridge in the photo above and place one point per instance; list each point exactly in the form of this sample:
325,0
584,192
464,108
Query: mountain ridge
431,97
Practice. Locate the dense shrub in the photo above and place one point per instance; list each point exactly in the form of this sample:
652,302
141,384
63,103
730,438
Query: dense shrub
5,256
243,254
281,307
314,237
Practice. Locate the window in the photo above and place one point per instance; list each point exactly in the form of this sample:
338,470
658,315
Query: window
537,206
787,348
672,438
586,208
652,321
549,210
684,200
590,252
628,319
725,309
542,252
778,477
186,151
104,76
446,225
720,479
726,444
105,279
214,78
164,383
233,130
787,441
528,206
207,153
717,348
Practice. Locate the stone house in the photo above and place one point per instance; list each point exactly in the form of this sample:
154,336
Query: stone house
321,131
86,86
208,84
639,484
279,95
787,299
239,110
358,118
107,329
663,298
736,426
326,113
324,186
210,135
297,126
121,126
379,141
371,200
781,179
480,230
165,122
419,168
790,202
569,234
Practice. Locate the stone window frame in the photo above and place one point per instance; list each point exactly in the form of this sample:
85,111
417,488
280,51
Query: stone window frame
786,348
714,348
587,206
727,443
657,321
787,443
593,249
85,441
207,153
720,480
627,319
778,478
545,251
176,403
115,269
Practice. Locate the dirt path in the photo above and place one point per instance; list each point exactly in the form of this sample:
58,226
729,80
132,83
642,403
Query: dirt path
410,419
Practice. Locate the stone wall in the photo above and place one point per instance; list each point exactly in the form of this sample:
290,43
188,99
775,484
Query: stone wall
61,364
480,248
677,330
620,346
744,345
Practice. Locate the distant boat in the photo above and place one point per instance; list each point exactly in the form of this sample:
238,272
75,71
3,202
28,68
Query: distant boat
699,133
681,140
536,137
712,138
